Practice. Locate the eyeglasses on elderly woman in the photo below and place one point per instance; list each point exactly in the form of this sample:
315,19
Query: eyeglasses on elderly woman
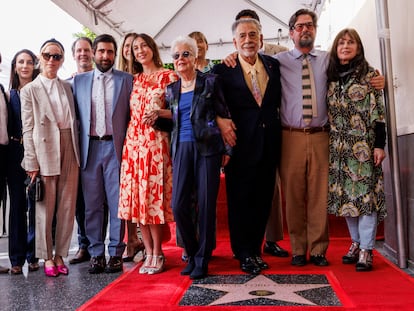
47,56
184,54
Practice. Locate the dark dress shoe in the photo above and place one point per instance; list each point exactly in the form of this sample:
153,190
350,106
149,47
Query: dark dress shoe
189,267
139,248
319,260
33,266
4,269
298,260
97,265
114,264
16,270
261,263
81,255
249,265
198,273
274,249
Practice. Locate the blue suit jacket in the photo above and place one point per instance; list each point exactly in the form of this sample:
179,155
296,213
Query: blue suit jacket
82,91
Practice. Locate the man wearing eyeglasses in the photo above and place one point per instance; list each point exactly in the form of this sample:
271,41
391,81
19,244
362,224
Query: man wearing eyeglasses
304,158
253,93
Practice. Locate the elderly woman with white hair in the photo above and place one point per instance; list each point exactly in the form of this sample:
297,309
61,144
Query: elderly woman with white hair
51,152
197,151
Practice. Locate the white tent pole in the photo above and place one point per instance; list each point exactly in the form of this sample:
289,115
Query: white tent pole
386,62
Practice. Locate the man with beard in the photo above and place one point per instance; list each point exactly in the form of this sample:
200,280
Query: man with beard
102,97
304,159
305,152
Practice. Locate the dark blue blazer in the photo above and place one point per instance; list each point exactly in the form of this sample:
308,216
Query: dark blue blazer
258,128
208,102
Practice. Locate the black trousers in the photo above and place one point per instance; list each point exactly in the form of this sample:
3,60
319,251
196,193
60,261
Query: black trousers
249,197
192,169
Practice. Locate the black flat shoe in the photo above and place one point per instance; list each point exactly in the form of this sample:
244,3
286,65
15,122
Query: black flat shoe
319,260
274,249
249,265
139,248
198,273
261,263
189,267
298,260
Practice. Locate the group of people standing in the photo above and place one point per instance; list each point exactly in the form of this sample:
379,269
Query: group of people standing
150,143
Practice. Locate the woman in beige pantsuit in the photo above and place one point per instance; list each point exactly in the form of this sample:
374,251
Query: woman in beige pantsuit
51,151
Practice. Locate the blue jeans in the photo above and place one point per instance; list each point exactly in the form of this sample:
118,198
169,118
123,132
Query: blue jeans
363,230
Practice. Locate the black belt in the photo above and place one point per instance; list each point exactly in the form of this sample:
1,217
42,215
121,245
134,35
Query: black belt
105,137
17,139
307,130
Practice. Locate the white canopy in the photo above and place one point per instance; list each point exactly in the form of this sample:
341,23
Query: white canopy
164,20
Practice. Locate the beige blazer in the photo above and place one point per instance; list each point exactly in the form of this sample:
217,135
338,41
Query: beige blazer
41,135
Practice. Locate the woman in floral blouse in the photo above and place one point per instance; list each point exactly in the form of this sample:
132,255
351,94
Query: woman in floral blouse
357,140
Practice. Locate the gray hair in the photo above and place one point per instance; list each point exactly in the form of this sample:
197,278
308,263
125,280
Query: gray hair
185,40
245,21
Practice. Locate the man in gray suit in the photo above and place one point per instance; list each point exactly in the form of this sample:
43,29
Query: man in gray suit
102,96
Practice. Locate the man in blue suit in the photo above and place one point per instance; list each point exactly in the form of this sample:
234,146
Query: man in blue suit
252,92
102,96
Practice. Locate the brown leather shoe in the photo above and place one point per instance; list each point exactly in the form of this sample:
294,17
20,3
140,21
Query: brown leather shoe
81,255
4,269
16,270
33,266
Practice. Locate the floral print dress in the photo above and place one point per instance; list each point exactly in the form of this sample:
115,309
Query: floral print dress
146,173
356,185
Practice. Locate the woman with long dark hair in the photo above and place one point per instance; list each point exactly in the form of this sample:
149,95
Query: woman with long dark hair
356,146
24,69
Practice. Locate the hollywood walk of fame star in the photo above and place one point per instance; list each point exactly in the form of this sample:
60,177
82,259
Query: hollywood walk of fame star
261,287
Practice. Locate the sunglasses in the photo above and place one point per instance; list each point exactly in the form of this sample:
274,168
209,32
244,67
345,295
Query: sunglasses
47,56
184,54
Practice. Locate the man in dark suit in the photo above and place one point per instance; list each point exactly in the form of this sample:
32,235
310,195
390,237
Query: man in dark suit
253,93
103,126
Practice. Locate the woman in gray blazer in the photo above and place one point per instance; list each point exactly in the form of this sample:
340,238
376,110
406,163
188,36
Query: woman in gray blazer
51,152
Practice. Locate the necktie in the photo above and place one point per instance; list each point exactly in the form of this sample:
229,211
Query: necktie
308,91
100,126
255,87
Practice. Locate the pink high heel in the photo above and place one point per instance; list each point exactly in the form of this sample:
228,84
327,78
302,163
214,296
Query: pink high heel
51,271
63,269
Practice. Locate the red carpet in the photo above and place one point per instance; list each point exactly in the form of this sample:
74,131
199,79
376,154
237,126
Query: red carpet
385,288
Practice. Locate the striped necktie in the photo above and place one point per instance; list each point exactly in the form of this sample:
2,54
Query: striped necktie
255,87
308,91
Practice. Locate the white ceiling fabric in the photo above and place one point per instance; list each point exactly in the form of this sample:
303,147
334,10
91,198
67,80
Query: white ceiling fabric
164,20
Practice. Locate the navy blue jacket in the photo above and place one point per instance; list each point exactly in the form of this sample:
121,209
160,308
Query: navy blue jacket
208,102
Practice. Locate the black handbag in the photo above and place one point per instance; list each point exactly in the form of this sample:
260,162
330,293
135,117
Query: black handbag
35,189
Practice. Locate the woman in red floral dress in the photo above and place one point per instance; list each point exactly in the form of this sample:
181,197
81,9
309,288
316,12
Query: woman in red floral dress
146,176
